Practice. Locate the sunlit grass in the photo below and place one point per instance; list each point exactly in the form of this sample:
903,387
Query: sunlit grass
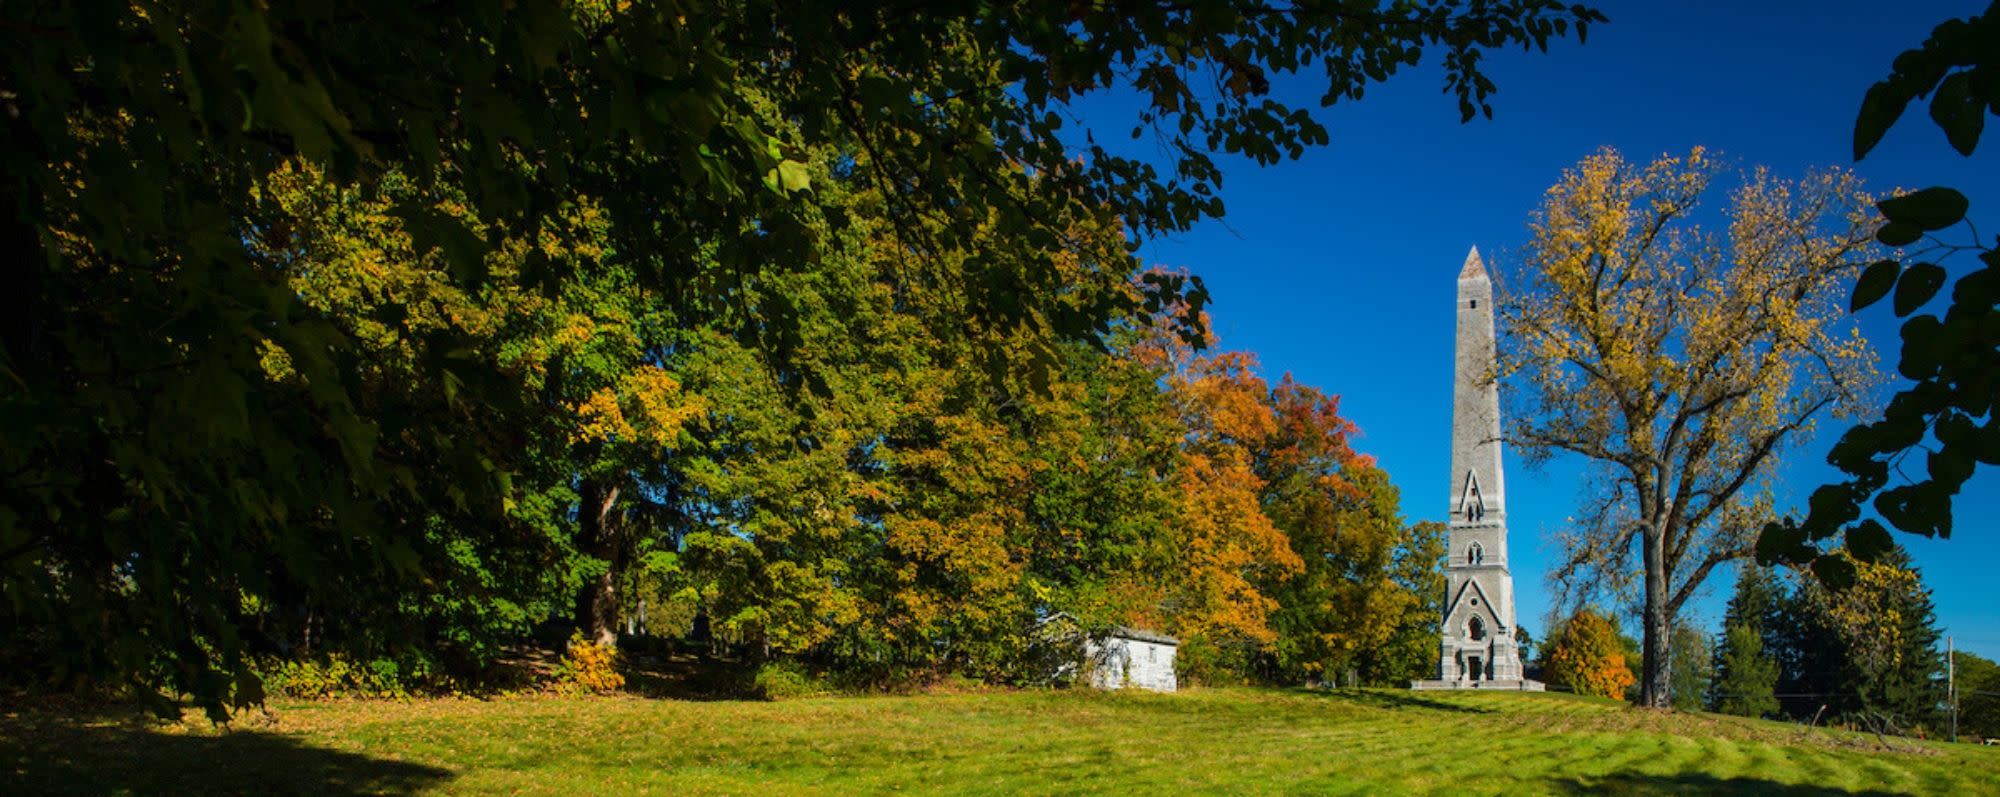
1232,740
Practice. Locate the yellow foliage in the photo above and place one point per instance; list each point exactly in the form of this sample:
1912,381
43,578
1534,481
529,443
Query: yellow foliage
1587,656
646,407
1681,361
589,667
1870,614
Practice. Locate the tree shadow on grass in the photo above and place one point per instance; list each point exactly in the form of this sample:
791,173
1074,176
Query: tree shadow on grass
116,754
1699,783
682,676
1385,698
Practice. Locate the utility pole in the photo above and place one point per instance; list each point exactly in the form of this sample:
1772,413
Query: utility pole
1951,684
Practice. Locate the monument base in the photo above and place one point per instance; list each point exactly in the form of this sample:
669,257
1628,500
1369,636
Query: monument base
1523,685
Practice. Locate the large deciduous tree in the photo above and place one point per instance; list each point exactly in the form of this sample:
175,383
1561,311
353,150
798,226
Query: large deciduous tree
1979,695
1341,515
1680,361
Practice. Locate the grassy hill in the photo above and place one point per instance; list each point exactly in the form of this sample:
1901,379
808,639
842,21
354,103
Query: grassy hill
1225,740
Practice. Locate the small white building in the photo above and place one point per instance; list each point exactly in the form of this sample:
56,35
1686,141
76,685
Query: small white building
1130,658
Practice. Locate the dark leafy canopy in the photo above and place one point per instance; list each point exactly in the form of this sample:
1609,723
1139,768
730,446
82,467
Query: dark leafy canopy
151,474
1865,653
1978,696
1951,358
1956,67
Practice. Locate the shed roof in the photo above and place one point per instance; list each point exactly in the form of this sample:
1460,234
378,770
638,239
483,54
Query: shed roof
1143,635
1121,631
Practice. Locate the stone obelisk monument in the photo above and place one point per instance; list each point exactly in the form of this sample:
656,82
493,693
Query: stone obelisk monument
1478,650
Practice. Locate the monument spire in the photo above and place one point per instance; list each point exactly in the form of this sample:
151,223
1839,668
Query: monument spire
1476,482
1474,267
1478,649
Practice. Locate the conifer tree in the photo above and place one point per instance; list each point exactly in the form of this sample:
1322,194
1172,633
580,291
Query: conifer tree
1886,627
1693,668
1746,674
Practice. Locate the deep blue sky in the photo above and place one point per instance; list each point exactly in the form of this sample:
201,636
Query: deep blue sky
1340,267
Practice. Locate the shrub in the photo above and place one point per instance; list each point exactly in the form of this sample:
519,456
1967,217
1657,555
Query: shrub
589,667
787,680
333,676
1586,655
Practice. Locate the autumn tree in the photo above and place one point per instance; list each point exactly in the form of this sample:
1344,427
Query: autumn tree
1228,546
350,260
1585,654
1343,518
1680,362
1412,649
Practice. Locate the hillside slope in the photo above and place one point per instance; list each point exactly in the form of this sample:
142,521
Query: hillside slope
1227,740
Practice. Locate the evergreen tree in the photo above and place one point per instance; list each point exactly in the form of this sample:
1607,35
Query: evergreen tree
1886,627
1693,668
1745,676
1812,661
1746,673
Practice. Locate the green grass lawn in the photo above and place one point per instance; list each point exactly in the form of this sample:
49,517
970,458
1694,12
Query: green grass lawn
1211,741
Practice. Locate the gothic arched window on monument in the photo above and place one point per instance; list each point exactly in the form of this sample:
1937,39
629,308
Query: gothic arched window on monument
1476,629
1475,554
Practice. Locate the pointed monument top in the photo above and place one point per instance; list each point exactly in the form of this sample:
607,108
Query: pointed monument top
1474,269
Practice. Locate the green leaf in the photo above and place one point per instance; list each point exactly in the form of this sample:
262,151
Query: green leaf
1868,540
1879,111
1951,466
1782,542
1831,505
793,176
1874,284
1898,233
1933,208
1918,284
1958,113
1919,360
1833,571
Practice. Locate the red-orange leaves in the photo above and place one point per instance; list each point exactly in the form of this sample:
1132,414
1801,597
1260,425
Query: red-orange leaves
1231,548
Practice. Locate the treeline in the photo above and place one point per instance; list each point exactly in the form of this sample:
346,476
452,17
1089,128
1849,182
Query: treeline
386,327
1866,655
893,492
1789,648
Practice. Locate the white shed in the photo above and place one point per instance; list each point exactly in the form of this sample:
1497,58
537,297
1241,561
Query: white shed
1131,658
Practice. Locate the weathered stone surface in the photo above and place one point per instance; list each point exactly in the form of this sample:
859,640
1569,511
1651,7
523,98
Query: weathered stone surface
1478,649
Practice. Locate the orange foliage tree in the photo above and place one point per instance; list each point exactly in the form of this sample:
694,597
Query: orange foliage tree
1586,655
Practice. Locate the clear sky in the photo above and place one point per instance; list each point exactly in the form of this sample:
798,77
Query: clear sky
1340,267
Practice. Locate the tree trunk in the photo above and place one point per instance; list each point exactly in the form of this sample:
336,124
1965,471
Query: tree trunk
597,599
1655,680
